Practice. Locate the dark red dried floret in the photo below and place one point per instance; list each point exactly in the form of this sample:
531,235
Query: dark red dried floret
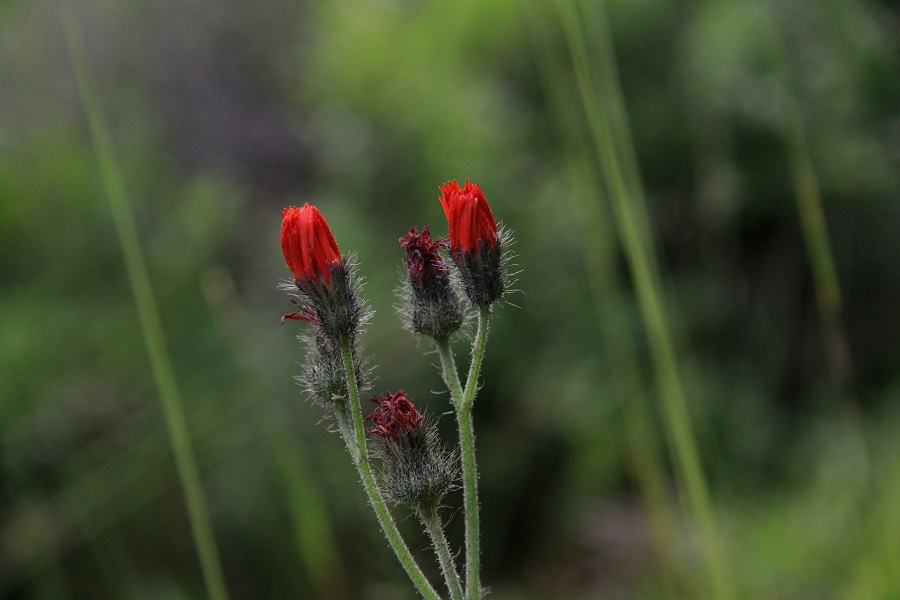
395,415
423,262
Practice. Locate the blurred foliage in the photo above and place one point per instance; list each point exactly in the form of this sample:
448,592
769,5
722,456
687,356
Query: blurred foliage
223,113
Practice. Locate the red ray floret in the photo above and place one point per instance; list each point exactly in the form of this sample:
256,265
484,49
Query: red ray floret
307,243
469,217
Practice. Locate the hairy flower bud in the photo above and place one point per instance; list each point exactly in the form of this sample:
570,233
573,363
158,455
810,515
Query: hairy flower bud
416,471
320,272
474,242
434,307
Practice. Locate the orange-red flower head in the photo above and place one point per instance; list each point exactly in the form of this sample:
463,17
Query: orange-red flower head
322,277
308,246
474,242
469,218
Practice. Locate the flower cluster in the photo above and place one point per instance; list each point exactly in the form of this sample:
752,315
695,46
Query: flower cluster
416,470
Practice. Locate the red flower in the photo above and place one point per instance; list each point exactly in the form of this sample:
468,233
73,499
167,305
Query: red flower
394,416
469,218
308,246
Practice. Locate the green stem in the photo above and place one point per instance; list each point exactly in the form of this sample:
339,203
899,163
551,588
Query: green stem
355,437
477,354
173,411
435,529
462,401
470,498
600,255
812,222
629,209
466,441
448,372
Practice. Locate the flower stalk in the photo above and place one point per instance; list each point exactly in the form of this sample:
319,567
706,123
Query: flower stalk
357,447
474,243
467,453
462,403
431,520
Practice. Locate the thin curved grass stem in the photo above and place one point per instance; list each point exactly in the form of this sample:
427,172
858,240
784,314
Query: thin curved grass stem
629,209
160,362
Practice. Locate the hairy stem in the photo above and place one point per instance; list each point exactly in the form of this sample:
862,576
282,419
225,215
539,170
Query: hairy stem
435,529
470,498
448,372
355,437
462,402
484,316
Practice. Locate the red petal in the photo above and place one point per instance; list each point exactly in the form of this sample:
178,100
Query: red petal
307,242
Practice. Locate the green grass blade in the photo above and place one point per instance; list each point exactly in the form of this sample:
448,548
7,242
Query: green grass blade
629,209
812,222
313,526
609,306
151,327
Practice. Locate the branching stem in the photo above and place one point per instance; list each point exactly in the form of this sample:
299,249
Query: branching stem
356,444
462,402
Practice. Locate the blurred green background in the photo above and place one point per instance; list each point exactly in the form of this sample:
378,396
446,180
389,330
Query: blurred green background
744,118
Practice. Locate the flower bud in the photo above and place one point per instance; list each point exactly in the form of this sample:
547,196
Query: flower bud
416,471
474,242
308,246
434,307
320,273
